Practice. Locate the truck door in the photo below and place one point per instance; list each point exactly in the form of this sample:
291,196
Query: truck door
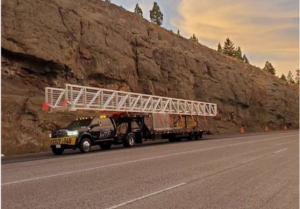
95,128
107,129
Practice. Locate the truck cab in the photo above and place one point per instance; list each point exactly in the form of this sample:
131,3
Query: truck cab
83,133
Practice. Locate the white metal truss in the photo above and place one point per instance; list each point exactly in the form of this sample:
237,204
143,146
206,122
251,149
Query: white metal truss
75,97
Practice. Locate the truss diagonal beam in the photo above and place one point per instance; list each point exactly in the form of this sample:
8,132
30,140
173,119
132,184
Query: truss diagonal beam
100,99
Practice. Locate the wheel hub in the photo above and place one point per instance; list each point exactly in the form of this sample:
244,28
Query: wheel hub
86,145
131,141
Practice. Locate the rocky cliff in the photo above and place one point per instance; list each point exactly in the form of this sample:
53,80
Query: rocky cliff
90,42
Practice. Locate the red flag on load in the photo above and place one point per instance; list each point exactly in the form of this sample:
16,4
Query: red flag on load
45,106
65,102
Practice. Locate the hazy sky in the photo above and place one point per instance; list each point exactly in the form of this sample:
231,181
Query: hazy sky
266,30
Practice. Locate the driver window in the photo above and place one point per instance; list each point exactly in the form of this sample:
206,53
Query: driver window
96,121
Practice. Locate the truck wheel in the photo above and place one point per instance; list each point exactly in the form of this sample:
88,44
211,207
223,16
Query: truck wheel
57,151
192,136
129,141
105,146
85,145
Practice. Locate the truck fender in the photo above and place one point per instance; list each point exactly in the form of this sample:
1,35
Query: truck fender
85,135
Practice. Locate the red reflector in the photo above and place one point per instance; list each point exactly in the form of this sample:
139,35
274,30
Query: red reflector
65,102
45,106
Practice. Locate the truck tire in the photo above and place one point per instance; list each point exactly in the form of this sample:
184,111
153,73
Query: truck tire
192,136
57,151
85,145
105,146
129,141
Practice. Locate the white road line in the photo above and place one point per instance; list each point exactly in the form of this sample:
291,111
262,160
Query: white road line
280,151
140,160
145,196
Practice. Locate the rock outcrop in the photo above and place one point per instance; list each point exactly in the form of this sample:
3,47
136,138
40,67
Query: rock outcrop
95,43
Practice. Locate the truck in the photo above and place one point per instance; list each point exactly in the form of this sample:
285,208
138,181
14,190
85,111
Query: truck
85,132
122,118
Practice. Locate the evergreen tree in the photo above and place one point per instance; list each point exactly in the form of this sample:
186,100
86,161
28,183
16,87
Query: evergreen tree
283,77
245,59
290,78
220,48
178,32
156,16
228,48
238,53
297,76
194,38
107,0
138,10
269,68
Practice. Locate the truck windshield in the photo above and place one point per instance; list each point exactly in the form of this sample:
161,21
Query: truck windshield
79,123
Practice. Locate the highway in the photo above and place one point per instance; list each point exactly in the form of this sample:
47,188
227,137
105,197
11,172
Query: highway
257,170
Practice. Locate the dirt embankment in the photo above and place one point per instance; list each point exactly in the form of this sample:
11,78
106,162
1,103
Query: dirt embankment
50,43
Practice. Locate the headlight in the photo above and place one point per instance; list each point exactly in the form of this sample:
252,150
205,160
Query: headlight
72,133
50,135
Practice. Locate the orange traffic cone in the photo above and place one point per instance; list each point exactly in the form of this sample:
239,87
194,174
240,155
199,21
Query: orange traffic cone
285,127
266,129
242,130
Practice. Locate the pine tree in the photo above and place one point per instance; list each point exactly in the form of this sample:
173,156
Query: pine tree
297,76
290,78
228,48
156,16
194,38
245,59
220,48
238,53
283,77
178,32
269,68
138,10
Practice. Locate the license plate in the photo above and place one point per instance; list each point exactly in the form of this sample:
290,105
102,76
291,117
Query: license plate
58,146
64,140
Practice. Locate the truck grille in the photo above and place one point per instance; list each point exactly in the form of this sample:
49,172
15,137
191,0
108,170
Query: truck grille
59,134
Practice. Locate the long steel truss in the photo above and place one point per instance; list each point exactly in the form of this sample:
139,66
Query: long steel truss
75,97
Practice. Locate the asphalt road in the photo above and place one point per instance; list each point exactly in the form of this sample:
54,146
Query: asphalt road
258,170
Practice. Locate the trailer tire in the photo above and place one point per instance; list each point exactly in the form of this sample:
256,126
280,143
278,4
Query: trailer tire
57,151
105,146
174,139
129,141
192,136
85,145
199,135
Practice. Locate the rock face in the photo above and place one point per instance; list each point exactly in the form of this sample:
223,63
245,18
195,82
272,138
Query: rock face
95,43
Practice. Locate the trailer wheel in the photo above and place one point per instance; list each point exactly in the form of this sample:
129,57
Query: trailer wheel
105,146
199,135
57,151
192,136
174,139
85,145
129,141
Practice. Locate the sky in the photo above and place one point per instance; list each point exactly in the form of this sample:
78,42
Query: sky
265,30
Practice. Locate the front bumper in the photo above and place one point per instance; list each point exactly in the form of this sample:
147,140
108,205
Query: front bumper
62,141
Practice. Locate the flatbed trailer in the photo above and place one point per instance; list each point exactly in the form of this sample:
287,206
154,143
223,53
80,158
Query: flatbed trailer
125,118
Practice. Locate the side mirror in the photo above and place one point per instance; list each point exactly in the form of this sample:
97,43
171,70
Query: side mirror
94,125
